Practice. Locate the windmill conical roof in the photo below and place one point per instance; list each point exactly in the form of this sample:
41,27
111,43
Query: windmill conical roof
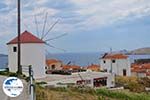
26,37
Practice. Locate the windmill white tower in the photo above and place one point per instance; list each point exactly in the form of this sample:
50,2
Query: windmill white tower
27,49
32,51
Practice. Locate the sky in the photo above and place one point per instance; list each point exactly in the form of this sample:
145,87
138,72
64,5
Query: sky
91,25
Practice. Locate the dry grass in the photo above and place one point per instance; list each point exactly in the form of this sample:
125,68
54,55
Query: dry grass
87,94
48,94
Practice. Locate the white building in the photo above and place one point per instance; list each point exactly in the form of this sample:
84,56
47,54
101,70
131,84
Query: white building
32,53
53,65
90,79
118,64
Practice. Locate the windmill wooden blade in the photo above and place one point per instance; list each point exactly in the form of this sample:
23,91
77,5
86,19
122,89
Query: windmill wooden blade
57,37
44,25
36,24
50,29
55,47
26,26
48,53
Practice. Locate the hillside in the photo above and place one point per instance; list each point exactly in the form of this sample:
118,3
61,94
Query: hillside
141,51
3,55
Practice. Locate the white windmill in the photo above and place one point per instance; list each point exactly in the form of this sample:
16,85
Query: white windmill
32,50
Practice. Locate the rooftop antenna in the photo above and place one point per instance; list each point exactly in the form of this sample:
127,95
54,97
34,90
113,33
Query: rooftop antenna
110,50
19,31
69,63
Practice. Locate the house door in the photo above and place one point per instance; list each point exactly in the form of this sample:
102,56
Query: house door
124,72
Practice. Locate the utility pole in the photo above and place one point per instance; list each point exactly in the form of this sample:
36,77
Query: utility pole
19,31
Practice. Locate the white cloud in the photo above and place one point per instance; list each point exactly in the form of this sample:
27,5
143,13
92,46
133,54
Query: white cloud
101,13
86,14
41,2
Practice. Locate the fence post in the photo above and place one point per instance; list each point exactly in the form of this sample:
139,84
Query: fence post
31,83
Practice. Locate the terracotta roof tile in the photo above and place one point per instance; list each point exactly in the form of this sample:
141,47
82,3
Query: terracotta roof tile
73,67
140,67
94,67
26,37
115,56
51,61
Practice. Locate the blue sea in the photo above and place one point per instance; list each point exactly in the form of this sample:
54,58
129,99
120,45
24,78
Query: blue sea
3,61
82,59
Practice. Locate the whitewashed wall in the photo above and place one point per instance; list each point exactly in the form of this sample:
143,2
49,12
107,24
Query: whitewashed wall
31,54
110,80
117,67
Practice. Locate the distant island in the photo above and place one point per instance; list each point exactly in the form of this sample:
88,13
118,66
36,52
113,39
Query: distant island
3,55
140,51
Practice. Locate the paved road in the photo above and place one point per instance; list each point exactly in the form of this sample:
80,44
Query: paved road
23,96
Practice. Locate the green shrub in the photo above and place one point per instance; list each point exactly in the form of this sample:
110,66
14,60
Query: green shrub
134,84
41,83
12,74
27,79
5,73
122,95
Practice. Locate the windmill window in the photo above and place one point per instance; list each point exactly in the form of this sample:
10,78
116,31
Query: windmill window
14,49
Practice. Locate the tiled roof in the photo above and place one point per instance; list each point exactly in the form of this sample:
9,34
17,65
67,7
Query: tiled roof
115,56
52,61
141,68
26,37
73,67
146,66
94,67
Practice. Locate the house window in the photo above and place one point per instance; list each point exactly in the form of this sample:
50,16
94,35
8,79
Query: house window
113,61
104,61
124,72
14,49
46,68
53,67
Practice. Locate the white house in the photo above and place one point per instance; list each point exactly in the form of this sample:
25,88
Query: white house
32,53
118,64
54,64
90,79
